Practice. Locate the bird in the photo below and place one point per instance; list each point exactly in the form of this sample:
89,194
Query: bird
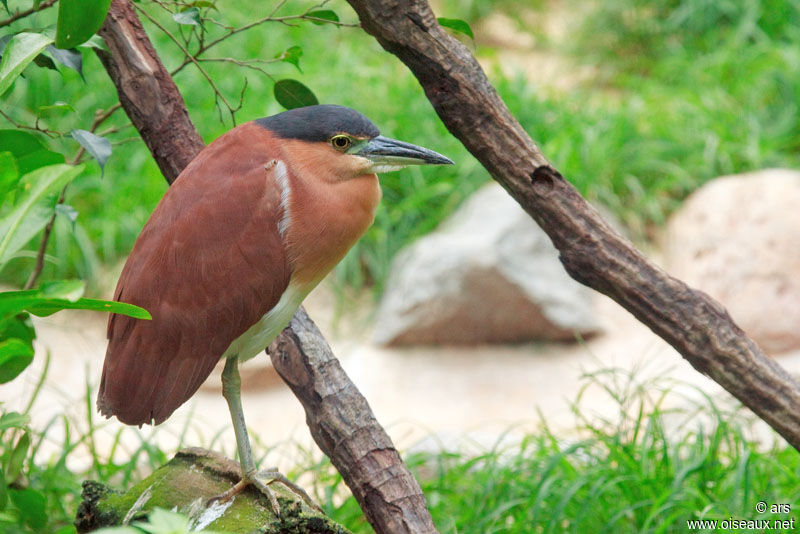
251,225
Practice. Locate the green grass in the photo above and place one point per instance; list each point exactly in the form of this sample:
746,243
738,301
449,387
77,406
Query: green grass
648,468
651,463
685,91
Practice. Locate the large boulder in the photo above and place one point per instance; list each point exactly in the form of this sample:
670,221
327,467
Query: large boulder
738,239
489,274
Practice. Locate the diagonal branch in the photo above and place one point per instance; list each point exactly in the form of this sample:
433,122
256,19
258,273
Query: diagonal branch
592,253
339,417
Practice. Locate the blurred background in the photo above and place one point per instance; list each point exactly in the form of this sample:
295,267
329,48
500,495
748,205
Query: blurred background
598,427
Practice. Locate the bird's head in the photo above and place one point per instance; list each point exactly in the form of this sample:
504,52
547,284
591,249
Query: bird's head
344,141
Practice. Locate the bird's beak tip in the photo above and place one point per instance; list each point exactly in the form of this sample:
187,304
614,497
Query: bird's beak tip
393,152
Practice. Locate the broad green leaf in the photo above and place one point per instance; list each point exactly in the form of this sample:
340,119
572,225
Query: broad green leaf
189,16
13,420
457,25
31,505
78,20
8,173
17,459
292,55
25,221
5,5
19,52
30,151
293,94
71,59
324,14
15,356
46,307
36,302
98,147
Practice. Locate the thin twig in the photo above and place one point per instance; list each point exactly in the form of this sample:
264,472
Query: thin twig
217,93
22,14
231,31
34,128
100,117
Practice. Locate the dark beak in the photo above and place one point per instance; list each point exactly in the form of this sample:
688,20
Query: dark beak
383,151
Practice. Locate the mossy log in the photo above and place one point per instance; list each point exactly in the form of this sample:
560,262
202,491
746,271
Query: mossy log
185,484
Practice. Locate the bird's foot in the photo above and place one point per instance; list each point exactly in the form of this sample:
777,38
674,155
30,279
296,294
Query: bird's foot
240,486
271,475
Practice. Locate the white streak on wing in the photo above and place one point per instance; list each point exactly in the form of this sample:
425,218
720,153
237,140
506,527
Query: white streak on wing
282,177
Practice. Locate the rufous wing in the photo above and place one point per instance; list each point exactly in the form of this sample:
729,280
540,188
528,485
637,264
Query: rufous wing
208,264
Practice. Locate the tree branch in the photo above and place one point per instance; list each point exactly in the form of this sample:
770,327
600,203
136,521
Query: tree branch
348,433
24,13
592,253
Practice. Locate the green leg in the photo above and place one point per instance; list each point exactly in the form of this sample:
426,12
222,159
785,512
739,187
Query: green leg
232,391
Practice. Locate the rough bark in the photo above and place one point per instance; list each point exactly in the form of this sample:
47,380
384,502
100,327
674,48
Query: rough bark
147,92
592,253
341,422
348,433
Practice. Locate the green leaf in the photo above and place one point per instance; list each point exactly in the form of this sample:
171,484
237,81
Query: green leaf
70,290
189,16
5,5
292,55
19,52
72,59
324,14
13,420
16,461
204,3
95,42
31,505
17,326
8,173
15,356
457,25
62,296
29,150
98,147
25,220
78,20
293,94
65,210
45,62
57,105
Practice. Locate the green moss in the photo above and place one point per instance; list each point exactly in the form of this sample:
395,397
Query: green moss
187,482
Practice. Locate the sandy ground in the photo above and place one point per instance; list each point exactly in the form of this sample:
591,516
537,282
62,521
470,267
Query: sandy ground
425,397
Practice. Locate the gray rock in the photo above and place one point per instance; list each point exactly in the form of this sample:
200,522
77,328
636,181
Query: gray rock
738,239
489,274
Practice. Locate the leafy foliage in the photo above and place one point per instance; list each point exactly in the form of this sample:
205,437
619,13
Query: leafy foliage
18,53
78,20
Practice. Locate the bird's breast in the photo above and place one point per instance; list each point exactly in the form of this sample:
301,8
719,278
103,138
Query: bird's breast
326,218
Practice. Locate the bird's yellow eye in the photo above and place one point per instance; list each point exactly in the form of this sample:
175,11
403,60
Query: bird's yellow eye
341,142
